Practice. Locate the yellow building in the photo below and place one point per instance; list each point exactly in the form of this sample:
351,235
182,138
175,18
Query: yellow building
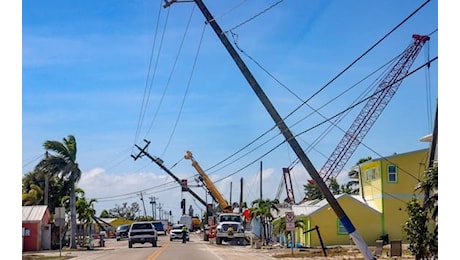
388,184
378,212
320,215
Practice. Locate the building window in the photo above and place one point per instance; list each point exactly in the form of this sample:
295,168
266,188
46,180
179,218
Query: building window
25,232
372,174
368,175
392,173
340,228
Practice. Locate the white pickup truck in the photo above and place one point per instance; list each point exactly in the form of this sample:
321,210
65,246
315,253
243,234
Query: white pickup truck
142,232
230,229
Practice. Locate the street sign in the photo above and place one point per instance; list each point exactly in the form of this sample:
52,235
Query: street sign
290,221
59,215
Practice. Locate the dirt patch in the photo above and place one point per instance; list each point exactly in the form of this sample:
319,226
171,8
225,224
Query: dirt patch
338,252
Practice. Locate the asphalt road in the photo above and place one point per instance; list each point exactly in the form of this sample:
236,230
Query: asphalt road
196,248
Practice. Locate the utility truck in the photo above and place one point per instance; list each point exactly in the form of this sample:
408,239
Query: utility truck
229,225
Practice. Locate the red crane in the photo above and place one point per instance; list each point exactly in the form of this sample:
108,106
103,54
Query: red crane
286,182
372,110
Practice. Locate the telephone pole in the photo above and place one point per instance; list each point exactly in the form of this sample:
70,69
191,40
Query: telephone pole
289,137
143,204
159,162
153,202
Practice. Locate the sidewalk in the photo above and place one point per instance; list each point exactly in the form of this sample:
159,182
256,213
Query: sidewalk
68,253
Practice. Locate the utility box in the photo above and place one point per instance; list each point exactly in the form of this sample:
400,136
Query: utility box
396,248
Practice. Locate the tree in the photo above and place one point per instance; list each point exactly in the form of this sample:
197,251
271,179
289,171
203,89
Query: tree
125,211
421,228
334,186
105,214
33,197
63,162
312,191
262,209
279,226
86,211
56,190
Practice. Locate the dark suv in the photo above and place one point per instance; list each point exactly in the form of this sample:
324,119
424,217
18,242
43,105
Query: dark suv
122,231
142,232
159,227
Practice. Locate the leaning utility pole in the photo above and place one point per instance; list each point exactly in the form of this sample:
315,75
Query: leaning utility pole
159,162
346,222
434,140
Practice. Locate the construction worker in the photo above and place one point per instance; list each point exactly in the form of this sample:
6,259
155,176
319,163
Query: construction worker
184,234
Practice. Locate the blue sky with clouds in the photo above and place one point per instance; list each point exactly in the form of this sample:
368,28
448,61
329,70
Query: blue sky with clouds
114,73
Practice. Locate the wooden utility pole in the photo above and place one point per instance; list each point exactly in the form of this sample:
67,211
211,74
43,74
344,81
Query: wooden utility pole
143,204
47,181
231,194
434,140
260,180
241,196
159,162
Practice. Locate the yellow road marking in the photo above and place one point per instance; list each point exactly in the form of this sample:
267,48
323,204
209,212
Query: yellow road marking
158,252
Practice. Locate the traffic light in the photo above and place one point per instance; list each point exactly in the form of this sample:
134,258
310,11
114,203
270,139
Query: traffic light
182,206
184,185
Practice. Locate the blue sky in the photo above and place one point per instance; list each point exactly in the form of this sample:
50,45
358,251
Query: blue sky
114,73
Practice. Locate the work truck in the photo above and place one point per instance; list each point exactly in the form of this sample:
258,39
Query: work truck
229,225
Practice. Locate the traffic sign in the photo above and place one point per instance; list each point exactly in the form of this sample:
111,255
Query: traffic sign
290,221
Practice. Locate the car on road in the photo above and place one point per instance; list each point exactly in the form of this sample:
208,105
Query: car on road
122,231
176,232
142,232
159,227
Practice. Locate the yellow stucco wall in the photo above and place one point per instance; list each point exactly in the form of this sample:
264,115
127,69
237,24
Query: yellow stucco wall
371,184
410,170
391,197
365,220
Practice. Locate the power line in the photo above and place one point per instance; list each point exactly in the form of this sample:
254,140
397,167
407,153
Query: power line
327,84
147,89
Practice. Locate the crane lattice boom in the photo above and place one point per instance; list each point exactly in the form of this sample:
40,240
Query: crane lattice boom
372,110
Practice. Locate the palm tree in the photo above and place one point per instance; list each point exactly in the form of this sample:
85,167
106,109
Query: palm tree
84,208
262,209
56,186
86,213
352,185
33,197
63,162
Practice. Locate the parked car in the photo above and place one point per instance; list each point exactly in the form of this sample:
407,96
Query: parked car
159,227
176,232
122,231
142,232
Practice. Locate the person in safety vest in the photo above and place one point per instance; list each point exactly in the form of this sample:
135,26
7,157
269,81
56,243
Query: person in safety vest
184,233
